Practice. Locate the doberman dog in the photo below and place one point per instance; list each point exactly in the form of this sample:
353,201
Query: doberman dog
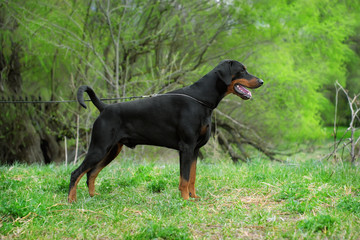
180,120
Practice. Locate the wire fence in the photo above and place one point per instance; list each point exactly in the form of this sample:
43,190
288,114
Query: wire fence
39,100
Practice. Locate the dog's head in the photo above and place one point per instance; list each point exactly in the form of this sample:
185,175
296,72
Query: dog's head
237,79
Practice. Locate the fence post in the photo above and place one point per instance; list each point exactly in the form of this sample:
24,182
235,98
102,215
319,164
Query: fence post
77,138
66,157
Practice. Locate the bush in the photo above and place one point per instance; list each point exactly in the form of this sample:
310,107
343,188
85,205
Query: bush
157,186
318,223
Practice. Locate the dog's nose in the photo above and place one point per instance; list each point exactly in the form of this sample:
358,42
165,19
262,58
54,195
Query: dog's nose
261,82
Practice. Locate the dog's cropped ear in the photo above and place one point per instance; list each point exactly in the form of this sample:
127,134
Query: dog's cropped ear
223,70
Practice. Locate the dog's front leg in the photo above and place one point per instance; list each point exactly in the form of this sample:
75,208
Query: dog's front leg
185,166
193,175
187,172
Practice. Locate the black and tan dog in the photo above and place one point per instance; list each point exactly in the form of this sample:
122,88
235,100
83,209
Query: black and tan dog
180,120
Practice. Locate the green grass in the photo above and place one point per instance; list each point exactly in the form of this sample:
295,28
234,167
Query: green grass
341,132
258,200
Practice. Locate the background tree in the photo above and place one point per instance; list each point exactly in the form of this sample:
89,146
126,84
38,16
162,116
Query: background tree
303,49
126,48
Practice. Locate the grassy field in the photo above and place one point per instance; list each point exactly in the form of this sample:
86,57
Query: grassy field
258,200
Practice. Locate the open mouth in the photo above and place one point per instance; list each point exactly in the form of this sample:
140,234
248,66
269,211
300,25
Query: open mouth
242,92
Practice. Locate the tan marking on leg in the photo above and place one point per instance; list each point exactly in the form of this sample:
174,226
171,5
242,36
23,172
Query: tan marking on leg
192,180
100,166
184,188
72,192
92,181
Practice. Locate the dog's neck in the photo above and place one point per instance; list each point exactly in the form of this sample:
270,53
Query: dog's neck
211,89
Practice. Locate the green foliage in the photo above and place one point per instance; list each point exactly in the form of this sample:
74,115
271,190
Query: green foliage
155,231
263,199
157,186
294,191
318,223
350,203
299,48
298,206
304,52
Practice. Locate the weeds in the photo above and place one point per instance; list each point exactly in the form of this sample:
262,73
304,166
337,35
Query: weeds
350,204
318,223
157,186
156,231
256,200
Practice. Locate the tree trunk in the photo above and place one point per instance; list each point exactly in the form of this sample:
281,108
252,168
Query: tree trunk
23,138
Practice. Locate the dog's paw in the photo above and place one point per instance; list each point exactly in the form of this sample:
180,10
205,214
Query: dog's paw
193,195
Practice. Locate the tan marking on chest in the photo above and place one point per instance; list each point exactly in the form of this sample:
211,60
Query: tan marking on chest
204,130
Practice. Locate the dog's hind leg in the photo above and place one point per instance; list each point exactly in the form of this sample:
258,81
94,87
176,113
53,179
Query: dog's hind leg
93,173
90,161
99,153
74,180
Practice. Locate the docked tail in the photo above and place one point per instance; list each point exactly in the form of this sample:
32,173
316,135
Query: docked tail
96,101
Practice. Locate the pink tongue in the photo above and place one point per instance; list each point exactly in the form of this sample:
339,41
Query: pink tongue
243,90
